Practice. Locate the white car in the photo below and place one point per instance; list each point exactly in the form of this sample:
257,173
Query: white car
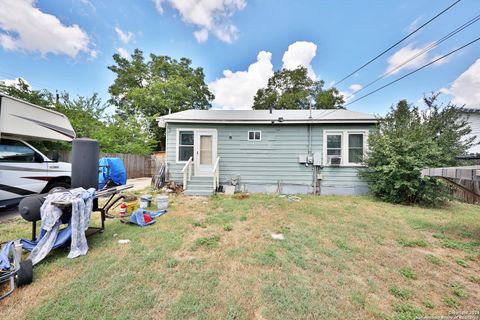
23,169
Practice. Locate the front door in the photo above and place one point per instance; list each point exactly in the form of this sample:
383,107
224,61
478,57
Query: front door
205,151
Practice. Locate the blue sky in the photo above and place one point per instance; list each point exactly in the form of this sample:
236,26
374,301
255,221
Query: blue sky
67,45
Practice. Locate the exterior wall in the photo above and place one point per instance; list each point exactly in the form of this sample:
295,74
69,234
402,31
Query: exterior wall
271,165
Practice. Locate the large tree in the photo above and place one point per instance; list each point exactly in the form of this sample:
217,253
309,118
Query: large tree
294,89
408,140
157,87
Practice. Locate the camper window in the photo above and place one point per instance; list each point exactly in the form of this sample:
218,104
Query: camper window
16,151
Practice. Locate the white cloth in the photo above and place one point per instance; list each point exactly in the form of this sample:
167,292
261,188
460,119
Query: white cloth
82,203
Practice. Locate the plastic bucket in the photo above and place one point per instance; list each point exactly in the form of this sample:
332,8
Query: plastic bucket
145,201
162,202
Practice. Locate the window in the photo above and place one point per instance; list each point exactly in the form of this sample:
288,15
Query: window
334,145
185,145
15,151
254,135
355,148
344,147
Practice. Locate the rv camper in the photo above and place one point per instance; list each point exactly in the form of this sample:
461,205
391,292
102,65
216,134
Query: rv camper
23,169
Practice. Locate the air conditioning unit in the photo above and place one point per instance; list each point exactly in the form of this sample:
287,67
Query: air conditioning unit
335,160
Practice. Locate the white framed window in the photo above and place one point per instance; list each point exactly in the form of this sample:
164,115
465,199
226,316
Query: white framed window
344,147
254,135
185,145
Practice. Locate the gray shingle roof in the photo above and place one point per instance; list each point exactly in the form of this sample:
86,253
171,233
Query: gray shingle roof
264,116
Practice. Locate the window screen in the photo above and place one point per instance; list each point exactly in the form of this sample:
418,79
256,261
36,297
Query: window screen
355,148
334,145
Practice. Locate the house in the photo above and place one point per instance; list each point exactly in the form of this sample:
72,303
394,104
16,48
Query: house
473,117
285,151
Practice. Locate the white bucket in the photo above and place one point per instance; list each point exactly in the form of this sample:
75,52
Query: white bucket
145,201
162,202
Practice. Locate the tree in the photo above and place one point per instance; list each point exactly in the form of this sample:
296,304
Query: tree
157,87
294,89
408,140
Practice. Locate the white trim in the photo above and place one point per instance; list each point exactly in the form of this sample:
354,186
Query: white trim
254,131
177,145
344,153
205,170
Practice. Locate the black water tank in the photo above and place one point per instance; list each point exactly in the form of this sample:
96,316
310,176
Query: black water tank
85,154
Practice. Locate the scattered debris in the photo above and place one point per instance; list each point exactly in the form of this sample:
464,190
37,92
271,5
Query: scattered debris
277,236
241,196
123,241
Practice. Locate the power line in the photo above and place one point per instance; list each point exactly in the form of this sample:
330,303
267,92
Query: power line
36,83
414,71
398,42
422,52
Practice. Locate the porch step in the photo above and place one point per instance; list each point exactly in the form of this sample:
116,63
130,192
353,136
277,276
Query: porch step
200,186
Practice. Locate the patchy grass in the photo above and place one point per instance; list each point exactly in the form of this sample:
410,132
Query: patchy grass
341,258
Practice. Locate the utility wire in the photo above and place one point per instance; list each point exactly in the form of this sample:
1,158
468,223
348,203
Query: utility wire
424,50
414,71
398,42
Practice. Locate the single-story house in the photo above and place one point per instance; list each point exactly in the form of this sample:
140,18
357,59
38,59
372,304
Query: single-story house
285,151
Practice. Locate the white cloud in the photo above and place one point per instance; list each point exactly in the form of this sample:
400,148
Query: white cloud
125,37
300,53
465,89
396,62
24,27
15,82
236,90
350,93
405,53
210,16
201,35
123,53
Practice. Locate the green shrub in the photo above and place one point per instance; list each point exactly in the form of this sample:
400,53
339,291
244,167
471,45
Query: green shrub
428,304
228,227
408,140
406,311
243,218
172,263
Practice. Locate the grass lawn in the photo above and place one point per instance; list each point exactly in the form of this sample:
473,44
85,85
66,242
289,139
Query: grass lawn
214,258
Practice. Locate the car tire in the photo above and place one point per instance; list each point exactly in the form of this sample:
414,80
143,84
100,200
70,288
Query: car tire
56,187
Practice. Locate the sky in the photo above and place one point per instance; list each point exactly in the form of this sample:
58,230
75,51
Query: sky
68,45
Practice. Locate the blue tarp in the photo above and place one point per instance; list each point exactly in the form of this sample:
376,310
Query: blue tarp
111,168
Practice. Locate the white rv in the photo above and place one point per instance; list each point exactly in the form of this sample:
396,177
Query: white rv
23,169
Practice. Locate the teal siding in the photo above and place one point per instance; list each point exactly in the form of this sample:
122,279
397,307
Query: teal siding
270,162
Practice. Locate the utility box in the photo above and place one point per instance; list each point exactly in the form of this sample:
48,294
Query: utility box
310,159
302,158
317,159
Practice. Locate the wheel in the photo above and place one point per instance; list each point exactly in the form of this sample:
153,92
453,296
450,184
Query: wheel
56,187
25,273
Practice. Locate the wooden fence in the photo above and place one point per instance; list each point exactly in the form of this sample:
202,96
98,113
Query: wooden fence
137,166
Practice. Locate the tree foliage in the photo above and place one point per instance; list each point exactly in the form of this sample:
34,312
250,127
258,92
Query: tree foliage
408,140
156,87
294,89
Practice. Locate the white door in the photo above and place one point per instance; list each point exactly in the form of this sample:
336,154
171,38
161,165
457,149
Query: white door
205,147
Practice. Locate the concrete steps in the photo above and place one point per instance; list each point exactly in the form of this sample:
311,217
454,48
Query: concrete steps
199,186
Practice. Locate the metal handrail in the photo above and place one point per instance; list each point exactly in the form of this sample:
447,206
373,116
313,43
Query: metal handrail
187,172
216,174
